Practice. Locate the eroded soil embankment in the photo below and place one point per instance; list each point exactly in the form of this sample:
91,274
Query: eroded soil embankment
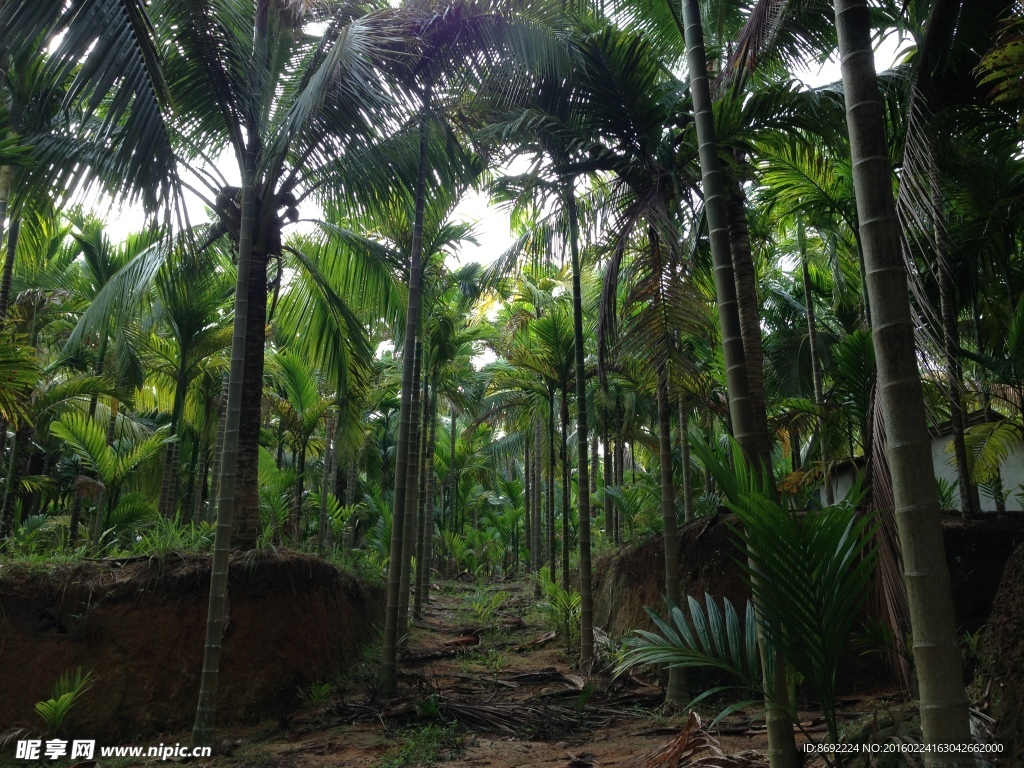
633,577
139,628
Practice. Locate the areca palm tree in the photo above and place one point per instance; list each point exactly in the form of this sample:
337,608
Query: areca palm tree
111,464
943,701
300,406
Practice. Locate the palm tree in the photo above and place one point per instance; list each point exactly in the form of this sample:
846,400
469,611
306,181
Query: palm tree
111,464
301,407
944,717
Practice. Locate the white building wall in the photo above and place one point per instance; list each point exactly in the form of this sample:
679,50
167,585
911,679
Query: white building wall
1012,473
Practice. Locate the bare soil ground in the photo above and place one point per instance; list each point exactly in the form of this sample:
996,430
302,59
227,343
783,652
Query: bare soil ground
490,687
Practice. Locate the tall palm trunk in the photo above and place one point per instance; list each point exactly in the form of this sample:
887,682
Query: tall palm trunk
389,664
609,476
426,536
247,525
325,485
684,453
552,567
528,505
538,513
14,111
218,453
206,710
299,489
943,703
582,473
676,693
412,493
781,744
620,467
563,455
202,473
748,306
169,484
812,343
8,273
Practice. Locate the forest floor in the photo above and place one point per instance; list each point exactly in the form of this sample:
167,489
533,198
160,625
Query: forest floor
484,682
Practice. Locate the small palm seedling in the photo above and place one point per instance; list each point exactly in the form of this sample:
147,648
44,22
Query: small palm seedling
317,693
486,606
66,693
561,611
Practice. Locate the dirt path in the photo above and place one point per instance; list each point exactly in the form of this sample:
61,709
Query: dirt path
483,682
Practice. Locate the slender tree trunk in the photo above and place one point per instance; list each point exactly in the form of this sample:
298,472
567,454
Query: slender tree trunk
551,488
582,473
538,513
247,525
203,447
608,478
749,307
943,703
684,451
12,247
620,468
528,505
218,453
676,693
412,494
781,743
351,535
169,485
18,447
812,341
426,534
206,710
389,665
325,485
566,491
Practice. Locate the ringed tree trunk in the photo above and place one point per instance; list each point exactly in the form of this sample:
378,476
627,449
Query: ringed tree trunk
300,487
169,484
325,485
582,475
412,497
203,448
781,743
218,453
552,566
206,710
12,248
943,702
684,451
426,535
676,694
389,664
247,525
538,513
566,492
749,306
528,505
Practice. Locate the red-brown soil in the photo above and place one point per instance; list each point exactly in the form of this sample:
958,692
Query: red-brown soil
139,628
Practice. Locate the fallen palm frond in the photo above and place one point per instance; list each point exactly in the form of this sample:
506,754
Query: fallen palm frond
516,719
688,749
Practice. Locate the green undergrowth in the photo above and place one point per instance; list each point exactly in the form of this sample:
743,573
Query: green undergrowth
424,745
